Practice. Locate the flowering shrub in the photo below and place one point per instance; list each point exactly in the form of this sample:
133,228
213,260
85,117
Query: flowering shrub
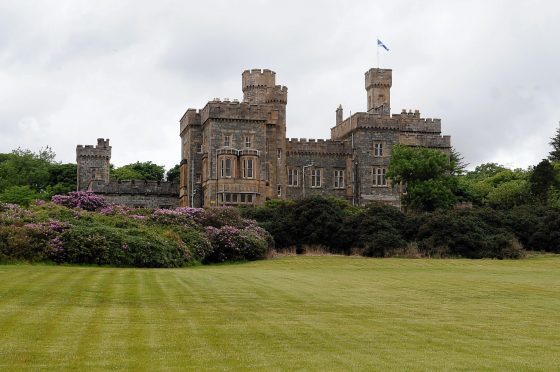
80,228
233,244
81,199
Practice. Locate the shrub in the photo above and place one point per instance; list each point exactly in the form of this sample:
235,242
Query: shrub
81,199
230,243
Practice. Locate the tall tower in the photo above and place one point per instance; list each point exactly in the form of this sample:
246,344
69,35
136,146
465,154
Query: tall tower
93,163
378,87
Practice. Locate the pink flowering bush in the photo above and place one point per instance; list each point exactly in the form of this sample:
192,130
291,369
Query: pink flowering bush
81,199
81,228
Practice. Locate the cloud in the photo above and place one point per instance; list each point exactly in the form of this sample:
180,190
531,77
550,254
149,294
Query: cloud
128,70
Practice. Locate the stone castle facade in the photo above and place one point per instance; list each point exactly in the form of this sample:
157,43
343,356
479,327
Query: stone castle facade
94,175
237,153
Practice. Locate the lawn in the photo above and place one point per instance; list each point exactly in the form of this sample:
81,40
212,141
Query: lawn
320,313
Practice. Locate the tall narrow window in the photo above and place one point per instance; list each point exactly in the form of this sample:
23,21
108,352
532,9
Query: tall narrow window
226,168
378,149
279,189
338,179
247,141
199,148
379,177
316,178
279,153
248,168
293,177
227,142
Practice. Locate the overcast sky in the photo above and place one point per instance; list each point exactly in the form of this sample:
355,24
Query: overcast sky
73,71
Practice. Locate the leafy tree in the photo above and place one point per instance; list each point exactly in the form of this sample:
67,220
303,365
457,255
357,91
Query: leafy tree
555,143
22,195
24,167
458,165
139,171
173,174
427,175
542,179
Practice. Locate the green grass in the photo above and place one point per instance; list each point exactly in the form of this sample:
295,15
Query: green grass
320,313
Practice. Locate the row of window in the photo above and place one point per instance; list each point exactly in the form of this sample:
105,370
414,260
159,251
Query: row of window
248,141
247,168
379,177
232,198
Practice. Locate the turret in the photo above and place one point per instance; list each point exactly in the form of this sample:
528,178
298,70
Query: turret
93,163
378,87
259,86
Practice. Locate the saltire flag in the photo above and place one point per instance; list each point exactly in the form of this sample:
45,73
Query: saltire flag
380,44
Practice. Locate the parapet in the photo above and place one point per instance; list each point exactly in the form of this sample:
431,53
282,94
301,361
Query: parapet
317,147
191,117
276,94
102,149
257,78
136,187
379,77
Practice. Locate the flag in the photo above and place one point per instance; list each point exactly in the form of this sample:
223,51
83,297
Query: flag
380,44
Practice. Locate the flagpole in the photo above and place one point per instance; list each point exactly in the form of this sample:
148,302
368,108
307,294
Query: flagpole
377,43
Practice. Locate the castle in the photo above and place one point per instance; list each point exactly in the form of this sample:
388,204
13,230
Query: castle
237,153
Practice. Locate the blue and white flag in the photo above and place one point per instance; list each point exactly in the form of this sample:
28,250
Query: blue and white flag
380,44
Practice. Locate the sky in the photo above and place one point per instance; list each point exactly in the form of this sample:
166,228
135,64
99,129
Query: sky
73,71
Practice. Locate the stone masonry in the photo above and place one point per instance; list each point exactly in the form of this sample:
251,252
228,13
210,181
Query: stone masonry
237,153
93,175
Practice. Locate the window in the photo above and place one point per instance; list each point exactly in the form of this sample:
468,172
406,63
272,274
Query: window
249,198
379,178
279,153
247,141
338,179
227,142
279,189
198,178
316,178
293,177
378,149
199,148
248,168
226,168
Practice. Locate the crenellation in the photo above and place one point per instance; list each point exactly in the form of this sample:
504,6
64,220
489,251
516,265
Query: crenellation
351,164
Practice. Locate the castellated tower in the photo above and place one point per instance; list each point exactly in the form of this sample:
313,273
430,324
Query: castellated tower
259,86
378,87
93,163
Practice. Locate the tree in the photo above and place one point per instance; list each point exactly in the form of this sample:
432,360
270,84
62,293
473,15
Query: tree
24,167
427,174
542,179
139,171
458,165
22,195
555,143
173,174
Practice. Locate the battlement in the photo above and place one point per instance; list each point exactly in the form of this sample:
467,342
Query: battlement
379,77
190,117
101,150
228,110
425,140
405,122
276,94
257,78
317,147
135,187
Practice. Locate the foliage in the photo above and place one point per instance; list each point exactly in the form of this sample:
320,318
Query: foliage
80,228
38,175
22,195
147,171
173,174
465,233
427,174
542,179
81,199
555,143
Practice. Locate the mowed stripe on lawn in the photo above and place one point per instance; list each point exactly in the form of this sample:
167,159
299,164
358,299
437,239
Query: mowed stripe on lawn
289,313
